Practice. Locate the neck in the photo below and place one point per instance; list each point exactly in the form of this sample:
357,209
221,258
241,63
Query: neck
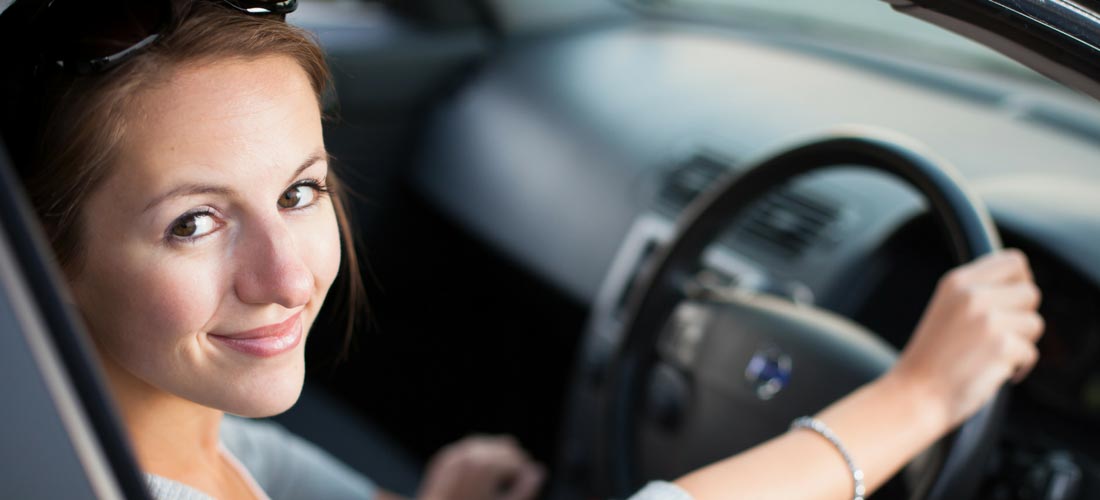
172,436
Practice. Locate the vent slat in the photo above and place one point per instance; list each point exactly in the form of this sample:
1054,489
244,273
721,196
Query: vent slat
812,206
686,182
812,218
780,215
792,243
785,222
760,237
788,221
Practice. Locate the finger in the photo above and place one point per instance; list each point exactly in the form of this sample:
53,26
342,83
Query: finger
501,451
515,475
511,448
470,456
488,439
1030,325
1026,355
1005,266
494,459
1027,326
504,441
526,483
504,467
1018,296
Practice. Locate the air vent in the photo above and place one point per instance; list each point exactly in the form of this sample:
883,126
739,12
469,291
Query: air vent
685,182
787,222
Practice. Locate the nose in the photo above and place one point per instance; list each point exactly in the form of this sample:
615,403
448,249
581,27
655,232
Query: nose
271,269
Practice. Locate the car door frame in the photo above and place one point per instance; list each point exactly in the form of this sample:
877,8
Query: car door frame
73,417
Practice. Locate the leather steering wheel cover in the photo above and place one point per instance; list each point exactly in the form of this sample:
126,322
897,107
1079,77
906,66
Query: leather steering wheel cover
962,216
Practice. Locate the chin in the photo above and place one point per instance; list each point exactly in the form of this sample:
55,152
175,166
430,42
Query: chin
259,395
263,409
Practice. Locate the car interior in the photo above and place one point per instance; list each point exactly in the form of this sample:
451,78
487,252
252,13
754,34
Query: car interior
520,168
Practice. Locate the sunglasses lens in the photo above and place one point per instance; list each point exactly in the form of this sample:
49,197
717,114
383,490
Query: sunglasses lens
264,6
88,30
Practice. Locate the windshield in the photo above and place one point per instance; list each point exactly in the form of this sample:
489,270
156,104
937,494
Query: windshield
867,24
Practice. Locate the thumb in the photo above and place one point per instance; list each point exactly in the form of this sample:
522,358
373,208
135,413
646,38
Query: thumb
525,484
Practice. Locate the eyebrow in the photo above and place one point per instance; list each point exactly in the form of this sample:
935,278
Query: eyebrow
197,189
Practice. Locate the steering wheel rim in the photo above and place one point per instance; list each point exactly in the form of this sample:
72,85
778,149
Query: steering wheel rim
962,216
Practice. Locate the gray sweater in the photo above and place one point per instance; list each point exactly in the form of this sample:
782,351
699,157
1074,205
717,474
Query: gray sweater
286,467
283,465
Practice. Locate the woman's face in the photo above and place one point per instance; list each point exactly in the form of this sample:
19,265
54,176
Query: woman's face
211,245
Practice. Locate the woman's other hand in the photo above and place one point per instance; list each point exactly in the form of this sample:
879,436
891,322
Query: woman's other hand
978,332
482,468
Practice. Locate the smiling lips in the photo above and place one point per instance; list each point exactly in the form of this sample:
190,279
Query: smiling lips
265,341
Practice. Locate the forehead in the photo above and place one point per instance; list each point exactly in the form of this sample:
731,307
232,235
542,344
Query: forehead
227,118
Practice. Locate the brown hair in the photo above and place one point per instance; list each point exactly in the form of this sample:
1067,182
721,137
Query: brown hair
83,122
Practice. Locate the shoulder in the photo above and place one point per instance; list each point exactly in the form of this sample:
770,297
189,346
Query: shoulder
287,466
661,490
162,488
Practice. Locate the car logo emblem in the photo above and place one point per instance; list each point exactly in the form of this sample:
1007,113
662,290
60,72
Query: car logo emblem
768,372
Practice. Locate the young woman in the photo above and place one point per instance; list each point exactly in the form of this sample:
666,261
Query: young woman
181,174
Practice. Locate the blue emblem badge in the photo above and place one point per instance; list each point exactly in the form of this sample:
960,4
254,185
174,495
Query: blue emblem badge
768,372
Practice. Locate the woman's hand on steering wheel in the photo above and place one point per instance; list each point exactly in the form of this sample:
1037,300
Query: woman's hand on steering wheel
978,332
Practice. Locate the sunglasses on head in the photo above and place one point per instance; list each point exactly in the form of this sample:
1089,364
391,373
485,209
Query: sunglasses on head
91,36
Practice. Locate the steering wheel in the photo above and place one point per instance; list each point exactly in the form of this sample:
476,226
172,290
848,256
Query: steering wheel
700,375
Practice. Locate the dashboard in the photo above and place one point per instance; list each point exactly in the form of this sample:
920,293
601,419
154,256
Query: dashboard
574,152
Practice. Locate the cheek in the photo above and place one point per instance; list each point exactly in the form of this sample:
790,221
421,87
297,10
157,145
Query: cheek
185,294
133,308
322,250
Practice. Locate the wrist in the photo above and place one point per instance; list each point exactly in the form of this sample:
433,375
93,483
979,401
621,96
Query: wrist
925,403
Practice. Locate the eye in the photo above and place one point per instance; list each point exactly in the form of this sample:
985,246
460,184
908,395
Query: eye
193,225
298,196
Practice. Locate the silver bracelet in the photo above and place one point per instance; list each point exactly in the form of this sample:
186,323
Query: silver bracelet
819,427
